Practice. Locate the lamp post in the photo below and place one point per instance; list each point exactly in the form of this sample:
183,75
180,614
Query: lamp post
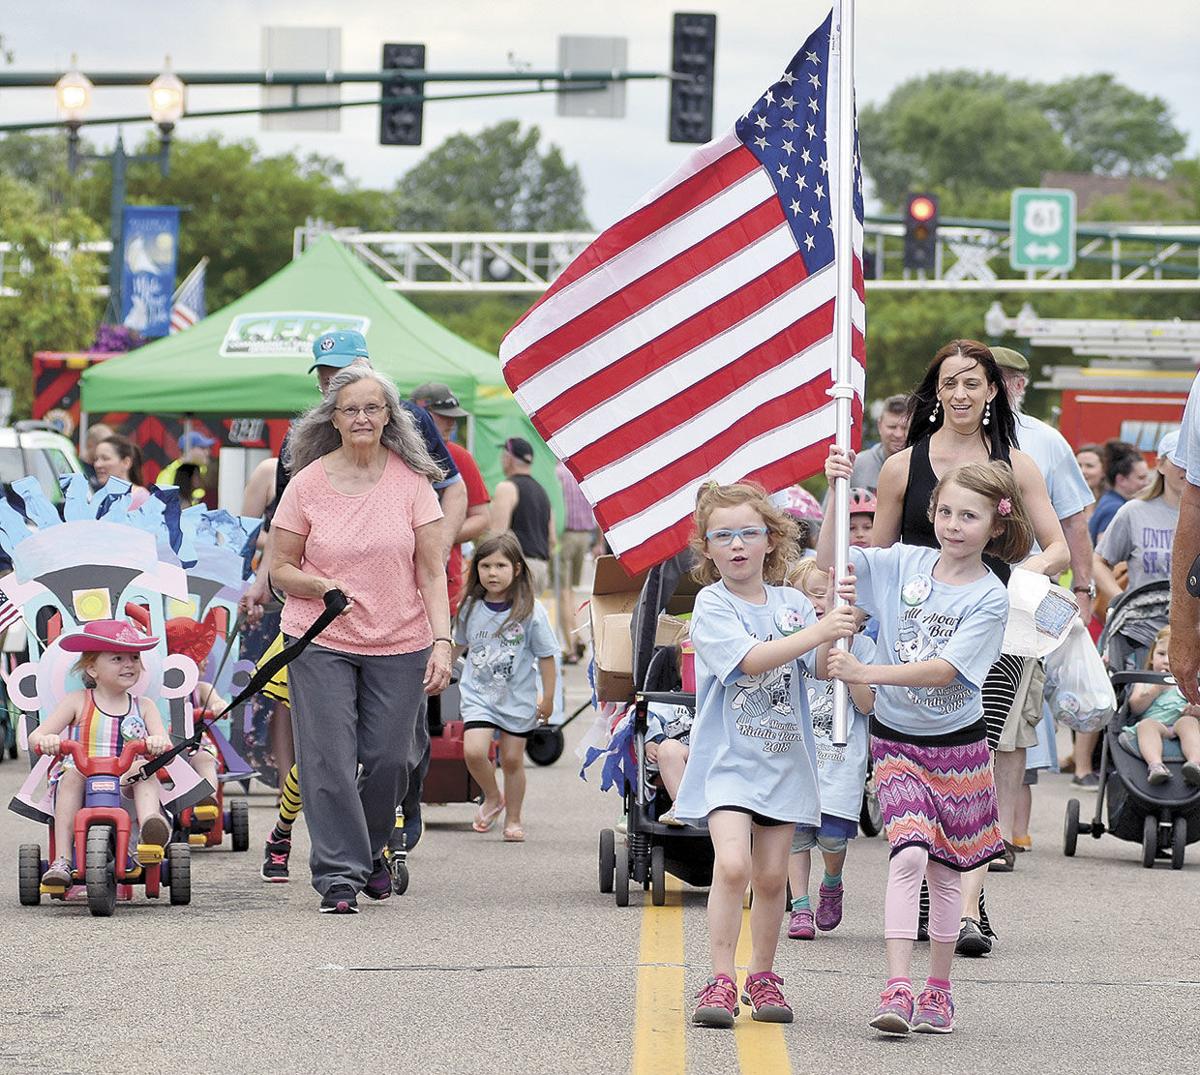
74,92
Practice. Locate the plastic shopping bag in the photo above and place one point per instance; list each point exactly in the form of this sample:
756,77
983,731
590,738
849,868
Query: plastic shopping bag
1077,687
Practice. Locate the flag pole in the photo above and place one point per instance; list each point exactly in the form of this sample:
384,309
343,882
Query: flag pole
842,45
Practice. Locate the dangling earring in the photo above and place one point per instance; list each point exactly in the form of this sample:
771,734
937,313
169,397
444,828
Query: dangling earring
933,414
987,413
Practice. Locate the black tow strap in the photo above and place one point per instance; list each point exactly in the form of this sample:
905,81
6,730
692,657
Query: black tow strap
335,605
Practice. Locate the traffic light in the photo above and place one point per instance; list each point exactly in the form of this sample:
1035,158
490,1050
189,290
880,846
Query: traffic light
693,54
400,122
920,231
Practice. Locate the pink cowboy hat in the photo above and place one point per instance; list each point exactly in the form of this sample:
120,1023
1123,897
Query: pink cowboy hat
108,636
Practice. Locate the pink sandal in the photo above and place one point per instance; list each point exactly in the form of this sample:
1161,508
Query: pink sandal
485,819
514,834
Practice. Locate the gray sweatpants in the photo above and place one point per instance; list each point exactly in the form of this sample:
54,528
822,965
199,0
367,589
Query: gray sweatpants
349,709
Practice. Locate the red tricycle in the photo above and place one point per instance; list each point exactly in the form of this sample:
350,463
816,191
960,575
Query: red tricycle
101,851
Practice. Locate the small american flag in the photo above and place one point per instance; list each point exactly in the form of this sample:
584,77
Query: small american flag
10,613
188,305
694,339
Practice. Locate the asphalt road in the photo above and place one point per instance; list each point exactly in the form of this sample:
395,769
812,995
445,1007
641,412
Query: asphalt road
505,958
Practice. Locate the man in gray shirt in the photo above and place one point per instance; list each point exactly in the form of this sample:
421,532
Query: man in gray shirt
893,437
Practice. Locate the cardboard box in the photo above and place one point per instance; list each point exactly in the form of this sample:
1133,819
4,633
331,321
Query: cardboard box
614,598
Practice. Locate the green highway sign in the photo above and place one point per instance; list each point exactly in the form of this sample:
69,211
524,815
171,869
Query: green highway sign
1042,226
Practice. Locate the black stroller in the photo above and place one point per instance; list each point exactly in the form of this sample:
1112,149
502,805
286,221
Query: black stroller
652,849
1163,818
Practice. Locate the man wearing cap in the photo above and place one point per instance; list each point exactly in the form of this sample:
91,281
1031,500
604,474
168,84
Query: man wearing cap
1185,551
521,505
444,408
195,449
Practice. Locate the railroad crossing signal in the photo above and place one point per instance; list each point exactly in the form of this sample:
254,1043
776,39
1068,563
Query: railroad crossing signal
1042,226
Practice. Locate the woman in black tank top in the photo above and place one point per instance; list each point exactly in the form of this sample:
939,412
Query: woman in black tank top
960,413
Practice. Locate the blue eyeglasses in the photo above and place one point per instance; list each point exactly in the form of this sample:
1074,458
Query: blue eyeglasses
748,534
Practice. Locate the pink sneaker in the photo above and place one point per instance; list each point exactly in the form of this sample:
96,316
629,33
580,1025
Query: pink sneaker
801,925
829,907
766,999
718,1003
895,1012
935,1012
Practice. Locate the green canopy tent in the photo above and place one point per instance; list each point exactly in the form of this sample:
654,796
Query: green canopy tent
250,358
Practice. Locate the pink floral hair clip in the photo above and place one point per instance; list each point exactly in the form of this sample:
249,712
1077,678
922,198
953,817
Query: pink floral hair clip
1004,507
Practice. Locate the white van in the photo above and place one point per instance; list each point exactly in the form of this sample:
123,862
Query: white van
34,448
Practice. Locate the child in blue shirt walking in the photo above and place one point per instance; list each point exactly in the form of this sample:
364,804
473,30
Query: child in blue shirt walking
751,771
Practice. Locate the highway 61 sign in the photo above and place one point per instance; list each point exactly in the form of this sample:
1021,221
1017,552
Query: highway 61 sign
1042,226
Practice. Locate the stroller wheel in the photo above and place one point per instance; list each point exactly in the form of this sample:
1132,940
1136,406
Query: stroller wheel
608,859
545,745
1071,828
621,886
658,875
1149,841
1178,842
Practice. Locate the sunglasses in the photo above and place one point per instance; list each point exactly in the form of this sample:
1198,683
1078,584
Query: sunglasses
748,534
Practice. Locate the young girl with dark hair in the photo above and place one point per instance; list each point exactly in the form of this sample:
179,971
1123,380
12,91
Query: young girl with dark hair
508,641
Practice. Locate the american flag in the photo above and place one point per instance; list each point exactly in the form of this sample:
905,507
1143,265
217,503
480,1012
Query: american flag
188,305
10,613
694,339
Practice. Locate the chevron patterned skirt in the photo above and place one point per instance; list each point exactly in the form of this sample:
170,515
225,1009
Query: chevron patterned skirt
942,798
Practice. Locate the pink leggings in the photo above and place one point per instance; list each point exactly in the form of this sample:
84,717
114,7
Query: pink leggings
904,894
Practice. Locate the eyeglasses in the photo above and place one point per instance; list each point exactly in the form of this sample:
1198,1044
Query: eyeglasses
748,534
371,410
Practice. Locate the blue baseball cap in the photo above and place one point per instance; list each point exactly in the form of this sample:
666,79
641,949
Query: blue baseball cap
338,349
195,439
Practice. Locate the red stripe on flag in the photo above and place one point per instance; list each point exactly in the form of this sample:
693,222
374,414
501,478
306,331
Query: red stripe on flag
662,280
787,471
697,398
683,198
708,456
704,325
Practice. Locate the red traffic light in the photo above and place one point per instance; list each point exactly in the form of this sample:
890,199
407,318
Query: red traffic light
921,208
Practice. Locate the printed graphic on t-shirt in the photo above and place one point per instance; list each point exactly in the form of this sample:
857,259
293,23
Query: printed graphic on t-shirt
493,660
1156,551
676,722
921,636
820,706
763,703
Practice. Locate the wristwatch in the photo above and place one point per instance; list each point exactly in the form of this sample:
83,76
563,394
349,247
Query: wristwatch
1089,589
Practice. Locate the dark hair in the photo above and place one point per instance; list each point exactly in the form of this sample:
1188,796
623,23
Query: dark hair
1120,457
927,417
895,405
1096,450
521,591
126,449
994,482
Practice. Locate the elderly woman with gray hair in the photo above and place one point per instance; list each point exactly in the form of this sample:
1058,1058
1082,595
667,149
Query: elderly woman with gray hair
360,515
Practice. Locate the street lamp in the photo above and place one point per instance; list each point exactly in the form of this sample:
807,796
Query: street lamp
74,93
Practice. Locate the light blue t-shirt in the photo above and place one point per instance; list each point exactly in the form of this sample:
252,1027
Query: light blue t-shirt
1048,448
499,681
841,771
920,619
752,742
1187,451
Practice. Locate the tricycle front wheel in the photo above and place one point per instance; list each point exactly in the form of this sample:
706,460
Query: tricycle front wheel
100,871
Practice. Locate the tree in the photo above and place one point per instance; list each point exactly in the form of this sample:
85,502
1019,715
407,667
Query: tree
240,207
971,135
497,180
55,308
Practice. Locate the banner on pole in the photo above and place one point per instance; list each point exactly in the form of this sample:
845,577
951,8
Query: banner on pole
150,250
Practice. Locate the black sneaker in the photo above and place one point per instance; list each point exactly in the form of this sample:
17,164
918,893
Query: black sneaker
971,941
275,861
340,899
1006,864
379,884
922,929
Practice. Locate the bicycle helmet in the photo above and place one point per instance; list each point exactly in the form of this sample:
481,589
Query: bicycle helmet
862,502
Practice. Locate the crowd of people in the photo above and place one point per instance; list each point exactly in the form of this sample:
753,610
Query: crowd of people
373,497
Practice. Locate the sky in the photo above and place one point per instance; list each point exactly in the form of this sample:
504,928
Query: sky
620,159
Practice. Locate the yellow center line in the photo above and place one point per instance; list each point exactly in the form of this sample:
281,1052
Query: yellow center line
658,1045
762,1047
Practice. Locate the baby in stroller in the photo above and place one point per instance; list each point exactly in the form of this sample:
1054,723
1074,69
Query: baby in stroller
668,734
1161,707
